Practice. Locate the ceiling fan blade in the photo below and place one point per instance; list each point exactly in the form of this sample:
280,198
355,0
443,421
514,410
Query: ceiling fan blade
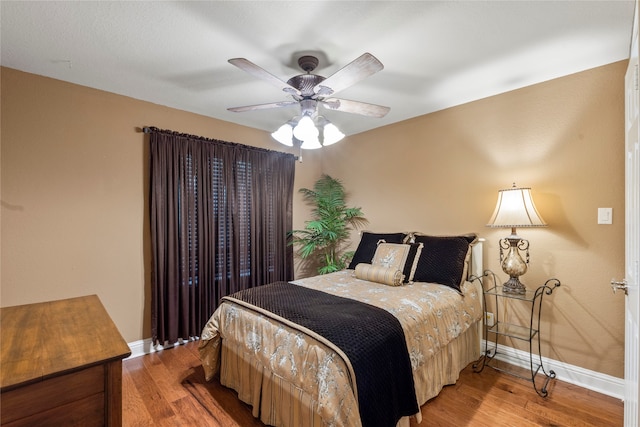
355,107
263,106
261,73
359,69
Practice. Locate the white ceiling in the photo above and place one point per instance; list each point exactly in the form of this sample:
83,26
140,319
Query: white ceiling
436,54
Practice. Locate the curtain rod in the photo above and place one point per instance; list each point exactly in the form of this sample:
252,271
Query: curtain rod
150,129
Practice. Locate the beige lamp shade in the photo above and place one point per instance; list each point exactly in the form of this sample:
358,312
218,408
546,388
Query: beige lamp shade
515,208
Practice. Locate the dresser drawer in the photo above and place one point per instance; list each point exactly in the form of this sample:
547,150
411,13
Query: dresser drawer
75,395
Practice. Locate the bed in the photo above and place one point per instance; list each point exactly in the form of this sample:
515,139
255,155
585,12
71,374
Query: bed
294,376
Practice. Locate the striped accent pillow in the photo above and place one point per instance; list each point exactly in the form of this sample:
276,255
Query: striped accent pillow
375,273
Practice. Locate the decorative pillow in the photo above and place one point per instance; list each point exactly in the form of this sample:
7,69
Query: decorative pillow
368,245
391,255
444,260
399,256
376,273
412,262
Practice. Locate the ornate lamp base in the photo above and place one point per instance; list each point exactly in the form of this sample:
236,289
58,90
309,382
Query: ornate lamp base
513,264
513,286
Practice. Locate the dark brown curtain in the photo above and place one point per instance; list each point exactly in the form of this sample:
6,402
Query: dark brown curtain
220,214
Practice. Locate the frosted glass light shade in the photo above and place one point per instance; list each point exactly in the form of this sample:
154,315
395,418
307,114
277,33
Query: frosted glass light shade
284,135
332,134
311,143
305,129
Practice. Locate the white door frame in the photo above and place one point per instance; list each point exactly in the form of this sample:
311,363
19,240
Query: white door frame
632,234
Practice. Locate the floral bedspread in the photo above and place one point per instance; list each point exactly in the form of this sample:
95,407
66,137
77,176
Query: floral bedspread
431,315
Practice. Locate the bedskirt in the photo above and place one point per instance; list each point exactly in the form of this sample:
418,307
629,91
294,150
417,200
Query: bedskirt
278,402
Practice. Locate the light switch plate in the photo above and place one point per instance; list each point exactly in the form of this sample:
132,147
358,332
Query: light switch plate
605,215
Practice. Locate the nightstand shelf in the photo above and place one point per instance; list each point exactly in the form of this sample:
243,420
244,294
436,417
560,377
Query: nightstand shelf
513,331
529,333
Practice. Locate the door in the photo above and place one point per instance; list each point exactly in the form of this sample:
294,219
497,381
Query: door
632,236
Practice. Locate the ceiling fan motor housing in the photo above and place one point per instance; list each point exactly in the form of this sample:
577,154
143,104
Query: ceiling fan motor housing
305,83
308,63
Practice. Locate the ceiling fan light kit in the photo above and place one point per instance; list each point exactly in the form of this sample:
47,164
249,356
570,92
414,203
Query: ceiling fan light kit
310,130
308,133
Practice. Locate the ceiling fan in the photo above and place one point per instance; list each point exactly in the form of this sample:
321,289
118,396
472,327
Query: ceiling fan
310,90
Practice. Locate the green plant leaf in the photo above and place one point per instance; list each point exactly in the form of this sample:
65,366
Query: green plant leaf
327,232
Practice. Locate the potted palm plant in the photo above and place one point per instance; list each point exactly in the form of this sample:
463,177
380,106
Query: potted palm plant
326,236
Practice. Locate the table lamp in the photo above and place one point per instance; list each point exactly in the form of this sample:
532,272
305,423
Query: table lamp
515,209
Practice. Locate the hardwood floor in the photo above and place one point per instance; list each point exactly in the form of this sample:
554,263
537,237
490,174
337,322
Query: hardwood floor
167,388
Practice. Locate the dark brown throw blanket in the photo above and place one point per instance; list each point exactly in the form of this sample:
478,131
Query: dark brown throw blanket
371,337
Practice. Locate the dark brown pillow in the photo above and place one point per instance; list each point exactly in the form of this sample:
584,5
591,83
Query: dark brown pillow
443,259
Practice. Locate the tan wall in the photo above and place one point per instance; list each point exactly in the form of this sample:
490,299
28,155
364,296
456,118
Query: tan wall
74,203
440,174
74,193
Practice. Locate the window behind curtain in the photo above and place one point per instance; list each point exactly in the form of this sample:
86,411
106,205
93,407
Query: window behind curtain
220,214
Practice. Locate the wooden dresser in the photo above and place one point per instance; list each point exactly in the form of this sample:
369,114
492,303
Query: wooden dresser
60,364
